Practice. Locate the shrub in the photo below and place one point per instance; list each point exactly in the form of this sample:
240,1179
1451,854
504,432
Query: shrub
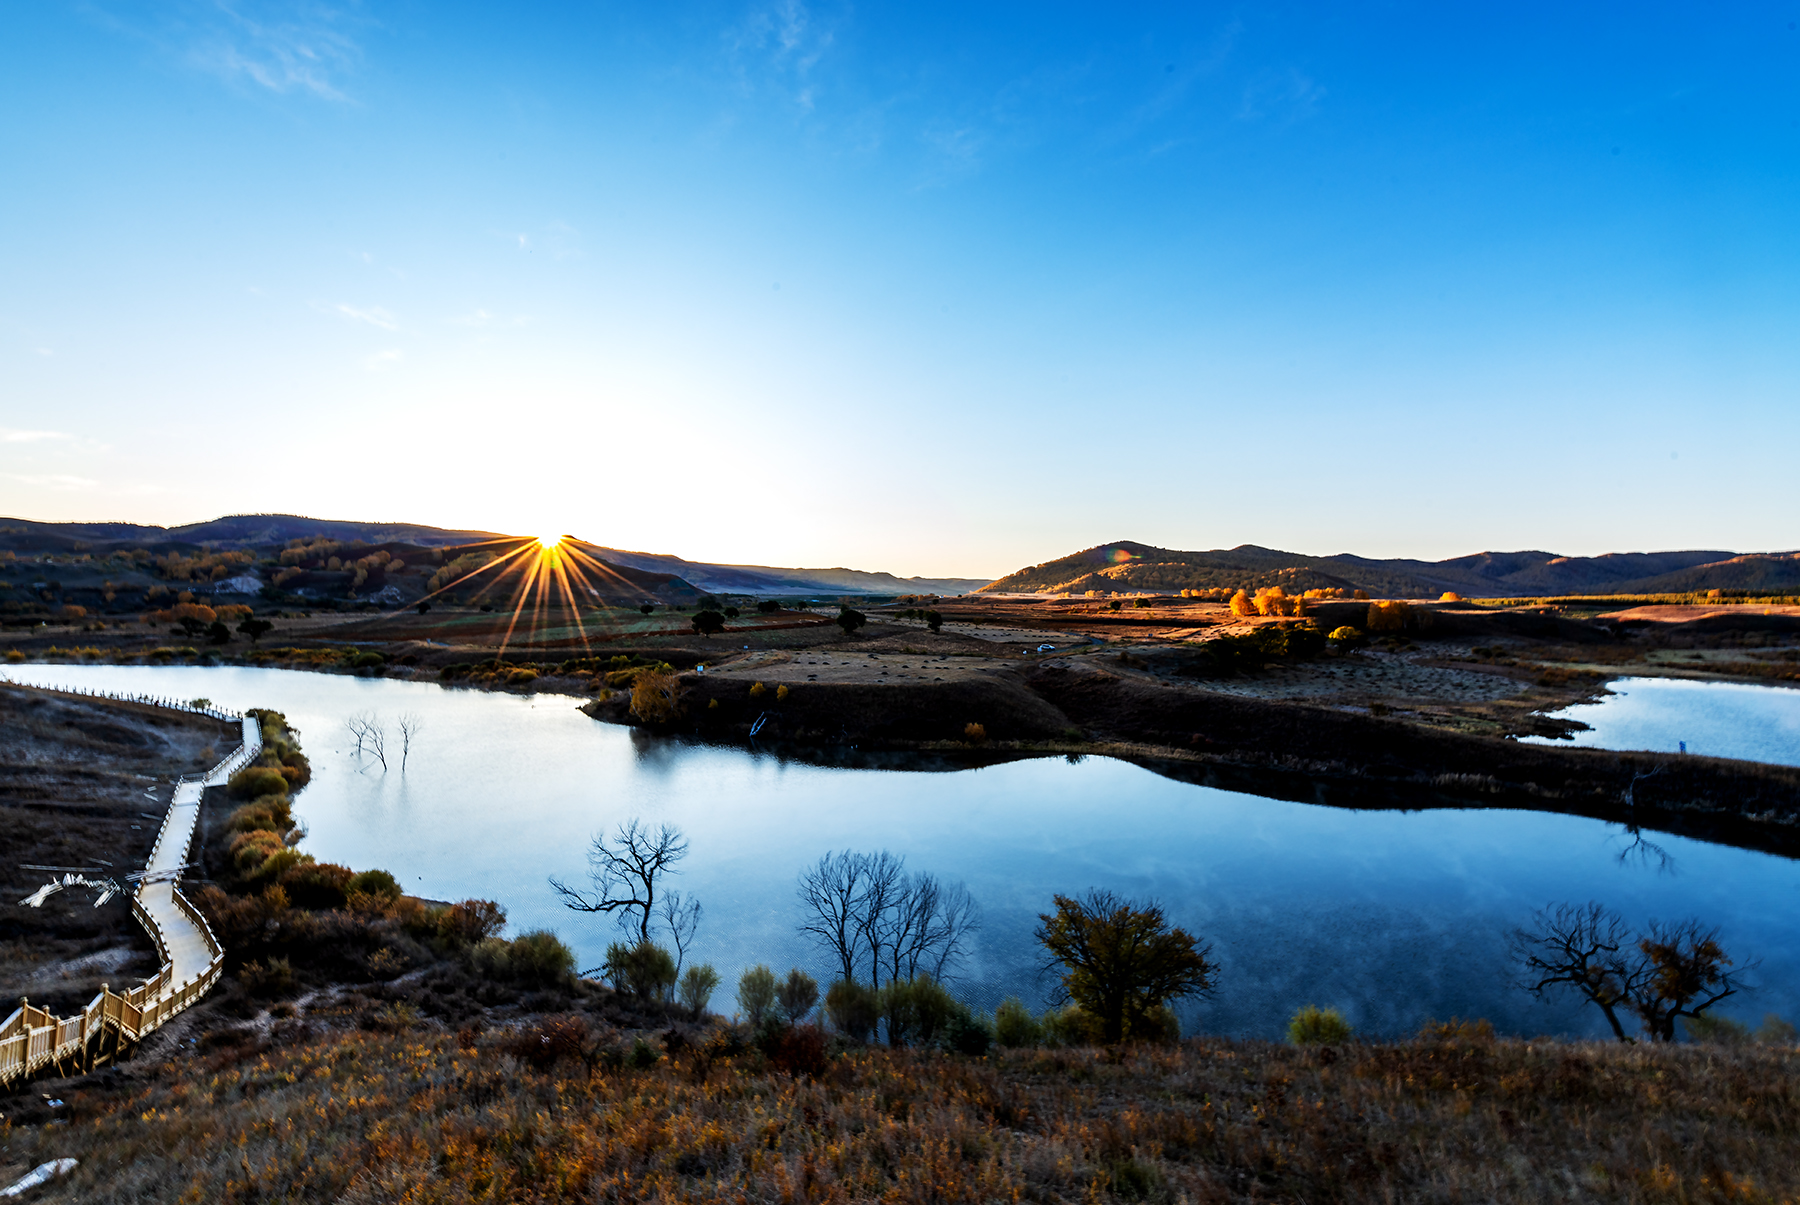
253,781
975,734
1071,1026
1241,604
551,1041
251,849
797,1049
469,922
853,1009
1719,1031
758,690
756,993
1315,1026
768,606
271,813
278,864
367,660
781,694
317,884
378,883
850,620
1450,596
1345,636
697,986
540,958
656,696
797,995
521,677
644,969
966,1033
1015,1026
916,1010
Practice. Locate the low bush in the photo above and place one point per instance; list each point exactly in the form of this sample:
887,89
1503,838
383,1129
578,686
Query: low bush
468,923
756,994
853,1008
797,996
377,883
916,1010
697,986
1015,1026
254,781
1315,1026
317,884
537,959
644,969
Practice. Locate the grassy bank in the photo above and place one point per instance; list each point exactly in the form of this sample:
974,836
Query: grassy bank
421,1114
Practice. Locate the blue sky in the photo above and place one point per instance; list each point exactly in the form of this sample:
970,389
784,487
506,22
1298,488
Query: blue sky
940,289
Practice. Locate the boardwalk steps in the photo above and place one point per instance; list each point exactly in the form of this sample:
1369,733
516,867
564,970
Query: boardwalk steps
191,957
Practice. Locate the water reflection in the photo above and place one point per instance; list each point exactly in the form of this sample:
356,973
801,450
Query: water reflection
1676,716
1391,916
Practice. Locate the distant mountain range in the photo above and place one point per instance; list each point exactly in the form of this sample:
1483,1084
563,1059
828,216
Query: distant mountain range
265,532
1127,567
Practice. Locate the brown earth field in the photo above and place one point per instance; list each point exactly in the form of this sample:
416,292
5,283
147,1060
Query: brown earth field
1421,717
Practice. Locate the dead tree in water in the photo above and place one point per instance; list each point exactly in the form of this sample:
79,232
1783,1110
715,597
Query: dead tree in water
623,873
409,724
370,736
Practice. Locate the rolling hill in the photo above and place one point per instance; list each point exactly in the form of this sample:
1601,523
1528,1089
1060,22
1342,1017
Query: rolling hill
1126,567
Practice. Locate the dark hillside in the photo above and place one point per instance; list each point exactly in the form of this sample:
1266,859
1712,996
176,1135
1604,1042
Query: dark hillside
1127,567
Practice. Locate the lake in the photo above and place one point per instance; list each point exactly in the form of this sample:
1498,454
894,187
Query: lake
1392,917
1713,719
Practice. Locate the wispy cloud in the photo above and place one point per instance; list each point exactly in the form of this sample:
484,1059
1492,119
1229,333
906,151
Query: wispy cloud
779,44
1283,96
383,360
13,436
481,318
282,46
54,481
374,315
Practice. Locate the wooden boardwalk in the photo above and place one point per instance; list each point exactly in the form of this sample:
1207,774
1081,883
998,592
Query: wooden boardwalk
192,958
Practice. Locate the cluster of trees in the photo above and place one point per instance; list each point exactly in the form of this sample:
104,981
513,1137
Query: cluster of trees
933,619
896,936
370,733
1660,975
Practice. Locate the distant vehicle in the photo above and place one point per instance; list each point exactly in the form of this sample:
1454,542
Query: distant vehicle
1046,648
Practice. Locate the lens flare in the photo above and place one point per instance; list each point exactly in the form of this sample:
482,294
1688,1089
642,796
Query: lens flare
548,542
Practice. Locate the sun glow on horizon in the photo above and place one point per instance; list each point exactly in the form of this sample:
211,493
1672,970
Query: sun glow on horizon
549,542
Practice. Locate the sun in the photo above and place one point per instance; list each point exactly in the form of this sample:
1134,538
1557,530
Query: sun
548,542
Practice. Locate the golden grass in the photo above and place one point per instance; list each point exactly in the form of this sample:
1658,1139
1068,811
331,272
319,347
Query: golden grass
423,1116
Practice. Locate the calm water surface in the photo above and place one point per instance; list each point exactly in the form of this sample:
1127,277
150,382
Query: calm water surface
1392,917
1715,719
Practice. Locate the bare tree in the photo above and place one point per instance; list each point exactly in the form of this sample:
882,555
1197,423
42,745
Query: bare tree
1584,947
623,873
680,915
1666,973
409,724
370,736
831,892
865,907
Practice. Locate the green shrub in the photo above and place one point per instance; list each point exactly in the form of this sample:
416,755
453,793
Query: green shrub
1315,1026
797,995
368,660
853,1009
249,850
271,813
1071,1026
643,1055
644,969
1718,1031
756,993
916,1010
1345,636
697,986
278,864
967,1033
540,958
1015,1026
377,883
254,781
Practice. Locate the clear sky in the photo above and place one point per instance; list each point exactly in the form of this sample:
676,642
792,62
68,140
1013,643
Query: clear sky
939,289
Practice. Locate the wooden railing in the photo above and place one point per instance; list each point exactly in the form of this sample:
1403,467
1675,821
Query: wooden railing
32,1039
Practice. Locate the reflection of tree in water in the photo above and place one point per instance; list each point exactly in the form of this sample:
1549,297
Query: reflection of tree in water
1640,851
